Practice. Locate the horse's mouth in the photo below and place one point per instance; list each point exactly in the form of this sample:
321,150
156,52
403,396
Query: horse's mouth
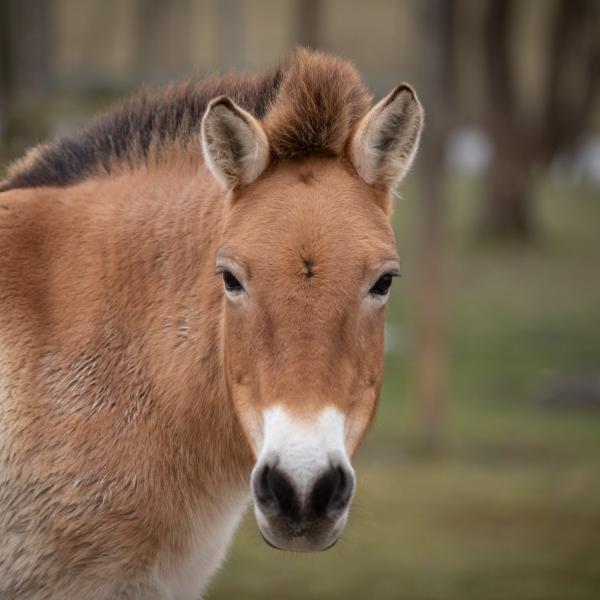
316,537
271,545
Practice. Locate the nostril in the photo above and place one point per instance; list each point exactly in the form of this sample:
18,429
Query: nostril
324,490
332,491
342,486
262,489
345,487
282,490
273,489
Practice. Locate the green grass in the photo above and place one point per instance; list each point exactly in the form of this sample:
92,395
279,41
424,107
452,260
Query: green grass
510,506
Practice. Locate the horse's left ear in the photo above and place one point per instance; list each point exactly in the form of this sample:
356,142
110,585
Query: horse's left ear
235,146
385,142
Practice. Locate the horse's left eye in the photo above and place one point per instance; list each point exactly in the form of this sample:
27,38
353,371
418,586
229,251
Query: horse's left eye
382,285
231,282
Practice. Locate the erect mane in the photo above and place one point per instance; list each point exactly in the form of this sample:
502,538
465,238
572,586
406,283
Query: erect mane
308,104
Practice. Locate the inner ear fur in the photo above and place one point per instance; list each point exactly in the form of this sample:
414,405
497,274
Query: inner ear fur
386,139
235,146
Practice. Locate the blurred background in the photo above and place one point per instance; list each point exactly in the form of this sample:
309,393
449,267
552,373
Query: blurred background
481,477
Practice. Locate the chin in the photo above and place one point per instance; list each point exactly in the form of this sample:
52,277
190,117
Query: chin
311,537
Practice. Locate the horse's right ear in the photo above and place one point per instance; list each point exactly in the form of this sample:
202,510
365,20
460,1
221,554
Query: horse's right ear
235,146
385,142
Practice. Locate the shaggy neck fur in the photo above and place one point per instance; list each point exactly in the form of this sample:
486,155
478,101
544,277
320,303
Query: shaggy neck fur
109,384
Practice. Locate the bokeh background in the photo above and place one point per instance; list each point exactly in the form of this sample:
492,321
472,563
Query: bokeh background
481,477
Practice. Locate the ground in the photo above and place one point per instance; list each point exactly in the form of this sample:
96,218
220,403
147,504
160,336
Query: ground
510,505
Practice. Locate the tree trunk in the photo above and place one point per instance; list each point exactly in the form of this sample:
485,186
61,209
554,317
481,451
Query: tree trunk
25,44
6,76
526,140
231,16
437,83
308,23
431,367
507,212
31,44
148,48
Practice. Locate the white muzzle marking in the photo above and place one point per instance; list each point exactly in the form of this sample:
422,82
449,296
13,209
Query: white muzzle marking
303,481
303,449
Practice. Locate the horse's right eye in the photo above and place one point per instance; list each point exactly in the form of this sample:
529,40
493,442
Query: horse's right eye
231,283
382,285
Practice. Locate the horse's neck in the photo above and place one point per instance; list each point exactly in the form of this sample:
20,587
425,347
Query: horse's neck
178,223
140,268
110,352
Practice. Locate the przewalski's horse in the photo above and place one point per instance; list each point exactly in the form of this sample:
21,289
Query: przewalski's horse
192,301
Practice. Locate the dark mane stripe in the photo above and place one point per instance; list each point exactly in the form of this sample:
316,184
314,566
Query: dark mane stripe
308,104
